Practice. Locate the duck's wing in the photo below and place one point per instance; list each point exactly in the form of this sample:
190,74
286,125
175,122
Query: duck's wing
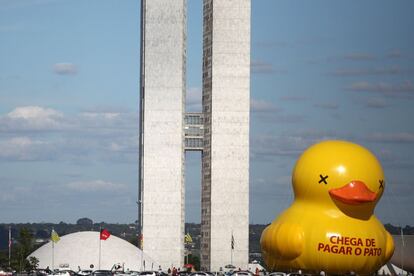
283,241
389,250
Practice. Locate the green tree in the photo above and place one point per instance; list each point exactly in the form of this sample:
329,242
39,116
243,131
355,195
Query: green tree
24,248
195,261
85,222
4,260
133,240
33,263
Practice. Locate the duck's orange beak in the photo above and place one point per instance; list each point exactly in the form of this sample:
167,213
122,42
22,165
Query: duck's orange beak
355,192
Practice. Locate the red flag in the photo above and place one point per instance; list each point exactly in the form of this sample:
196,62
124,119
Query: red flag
104,234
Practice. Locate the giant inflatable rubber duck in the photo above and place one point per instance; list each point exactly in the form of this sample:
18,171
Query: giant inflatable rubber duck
330,225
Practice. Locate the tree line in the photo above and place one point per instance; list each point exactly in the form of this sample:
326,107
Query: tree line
22,247
29,236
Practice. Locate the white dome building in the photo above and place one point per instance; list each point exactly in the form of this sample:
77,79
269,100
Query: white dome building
81,250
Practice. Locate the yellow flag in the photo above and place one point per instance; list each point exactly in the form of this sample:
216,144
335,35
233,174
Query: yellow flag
188,238
54,236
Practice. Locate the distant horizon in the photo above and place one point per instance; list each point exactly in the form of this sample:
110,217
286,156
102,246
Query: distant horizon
321,70
119,223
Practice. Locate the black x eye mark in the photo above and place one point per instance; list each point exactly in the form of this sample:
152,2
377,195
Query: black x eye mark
323,179
382,182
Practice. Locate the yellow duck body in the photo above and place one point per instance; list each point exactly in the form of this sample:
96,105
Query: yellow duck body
330,226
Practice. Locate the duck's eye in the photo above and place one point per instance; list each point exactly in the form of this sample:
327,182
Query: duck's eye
323,179
382,183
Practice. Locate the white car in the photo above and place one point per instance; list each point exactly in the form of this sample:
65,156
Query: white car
84,272
242,273
201,273
64,273
277,274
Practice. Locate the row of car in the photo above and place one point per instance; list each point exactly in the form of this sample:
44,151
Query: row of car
154,273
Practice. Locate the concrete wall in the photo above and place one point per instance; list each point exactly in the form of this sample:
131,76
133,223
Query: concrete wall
226,105
226,85
162,111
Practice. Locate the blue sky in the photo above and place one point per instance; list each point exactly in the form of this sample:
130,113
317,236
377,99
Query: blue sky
69,75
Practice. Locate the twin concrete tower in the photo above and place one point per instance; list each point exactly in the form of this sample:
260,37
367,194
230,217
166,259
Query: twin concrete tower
220,131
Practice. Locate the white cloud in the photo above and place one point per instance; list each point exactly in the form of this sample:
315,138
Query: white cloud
38,133
25,149
65,68
95,186
105,121
104,115
33,112
20,142
31,118
127,145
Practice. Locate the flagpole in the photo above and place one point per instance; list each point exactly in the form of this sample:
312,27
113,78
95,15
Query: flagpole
232,248
10,244
185,249
186,255
53,252
141,240
99,263
53,256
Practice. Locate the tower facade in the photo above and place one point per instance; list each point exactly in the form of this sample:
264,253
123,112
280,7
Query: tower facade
162,108
225,157
220,132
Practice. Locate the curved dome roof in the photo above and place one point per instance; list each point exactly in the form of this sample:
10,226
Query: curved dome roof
81,249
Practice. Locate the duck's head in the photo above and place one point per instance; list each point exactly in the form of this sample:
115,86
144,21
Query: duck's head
339,174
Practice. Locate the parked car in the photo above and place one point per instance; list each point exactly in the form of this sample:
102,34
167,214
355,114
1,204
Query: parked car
217,273
183,273
242,273
277,274
102,273
201,273
86,272
64,272
152,273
